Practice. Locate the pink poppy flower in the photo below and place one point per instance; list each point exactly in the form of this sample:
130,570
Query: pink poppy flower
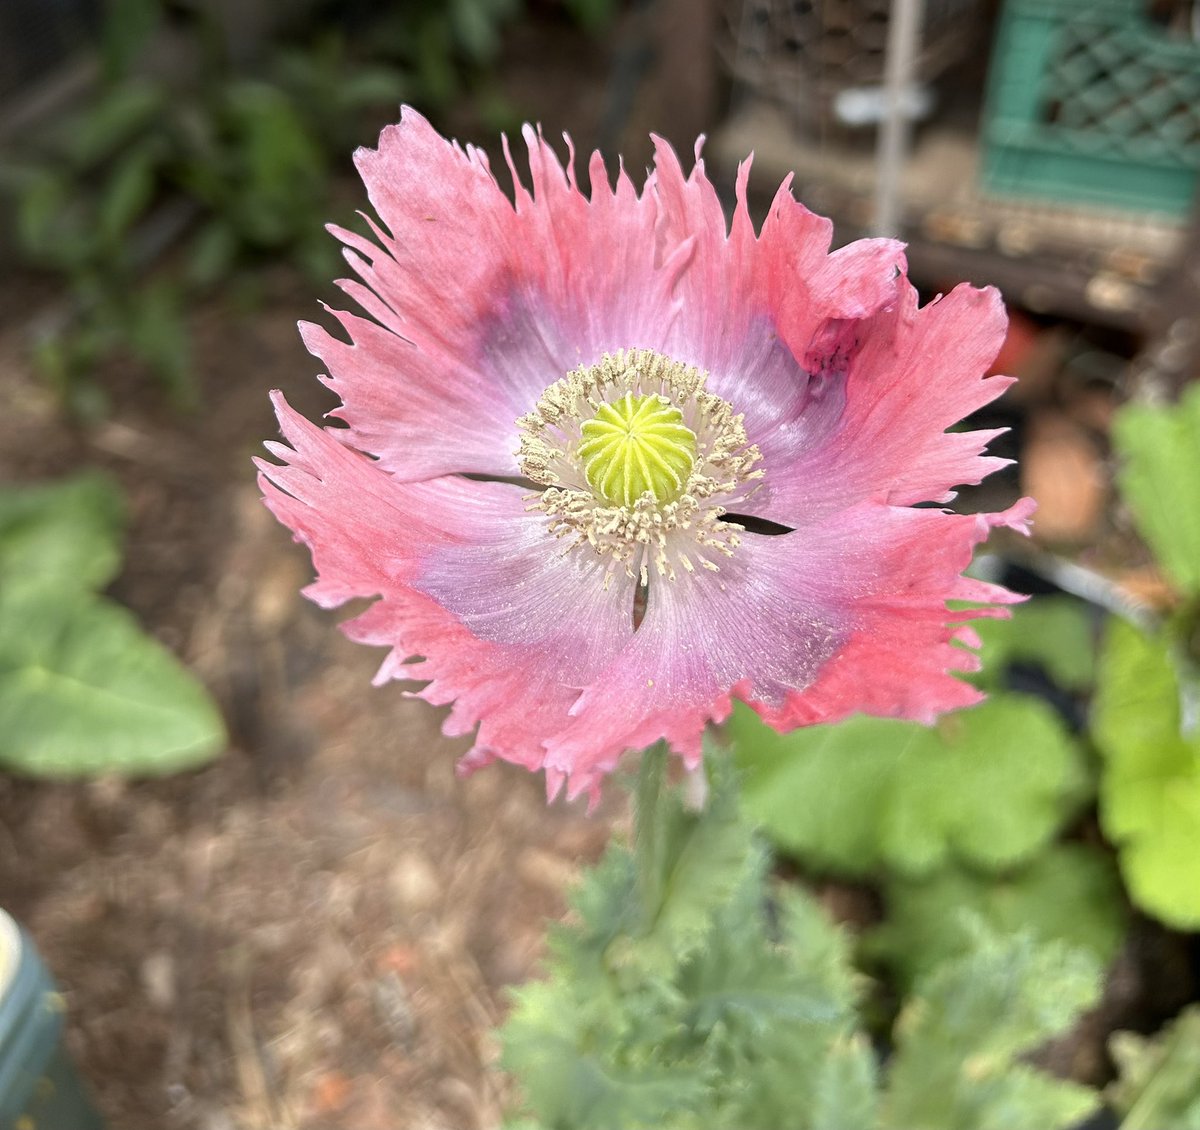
610,464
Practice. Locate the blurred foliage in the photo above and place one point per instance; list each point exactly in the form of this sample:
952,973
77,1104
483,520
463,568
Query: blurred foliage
678,1004
988,787
1160,480
1069,893
1150,784
1147,705
82,689
1159,1084
182,144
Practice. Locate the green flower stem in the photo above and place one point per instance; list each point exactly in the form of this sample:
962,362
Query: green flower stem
648,840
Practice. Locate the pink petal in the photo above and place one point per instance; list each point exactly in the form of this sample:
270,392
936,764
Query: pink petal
509,627
848,615
912,374
481,305
749,307
475,304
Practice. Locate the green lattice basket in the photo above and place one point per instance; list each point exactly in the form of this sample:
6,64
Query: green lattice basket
1091,102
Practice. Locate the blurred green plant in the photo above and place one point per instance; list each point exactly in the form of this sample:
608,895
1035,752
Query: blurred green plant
234,168
693,992
988,787
1159,1084
83,690
1146,717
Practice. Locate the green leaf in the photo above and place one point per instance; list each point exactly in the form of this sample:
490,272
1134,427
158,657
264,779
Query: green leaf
159,337
213,253
1160,479
122,114
278,181
127,193
1056,632
746,1026
372,86
739,980
592,15
587,1090
40,206
83,690
62,536
1159,1084
127,28
987,786
688,864
959,1037
1069,893
1150,784
477,23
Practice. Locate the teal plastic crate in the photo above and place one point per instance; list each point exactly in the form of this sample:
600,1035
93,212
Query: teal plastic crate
1091,102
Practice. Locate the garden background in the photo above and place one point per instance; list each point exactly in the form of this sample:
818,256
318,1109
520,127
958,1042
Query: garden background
268,900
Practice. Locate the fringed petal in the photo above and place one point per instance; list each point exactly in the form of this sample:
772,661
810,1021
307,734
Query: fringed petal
507,628
477,305
849,615
908,375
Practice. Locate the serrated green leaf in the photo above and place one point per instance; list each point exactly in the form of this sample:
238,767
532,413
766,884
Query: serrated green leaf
818,949
1069,894
64,535
688,864
1055,632
1150,784
987,786
739,979
846,1092
1160,479
958,1037
1159,1084
774,1009
83,690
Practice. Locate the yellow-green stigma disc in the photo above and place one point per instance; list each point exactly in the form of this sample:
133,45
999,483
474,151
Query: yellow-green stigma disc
634,445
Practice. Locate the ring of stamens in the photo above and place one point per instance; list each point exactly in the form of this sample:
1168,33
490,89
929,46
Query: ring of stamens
635,456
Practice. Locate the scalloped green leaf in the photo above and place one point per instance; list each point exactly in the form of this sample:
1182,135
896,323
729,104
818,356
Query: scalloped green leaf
1160,479
1150,784
64,535
83,690
988,786
1070,893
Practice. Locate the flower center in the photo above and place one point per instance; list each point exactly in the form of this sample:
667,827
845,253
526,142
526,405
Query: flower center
636,445
633,454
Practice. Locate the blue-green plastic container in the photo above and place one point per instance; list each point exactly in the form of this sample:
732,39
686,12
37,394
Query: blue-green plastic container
1090,102
39,1089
